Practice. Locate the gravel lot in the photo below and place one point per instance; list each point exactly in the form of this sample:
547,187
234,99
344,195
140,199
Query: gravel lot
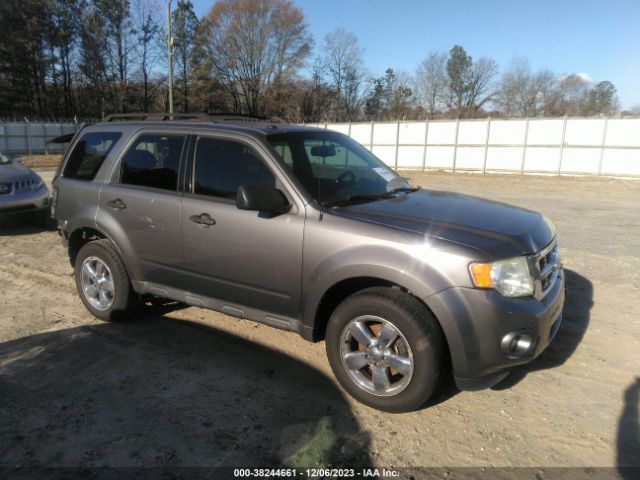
188,387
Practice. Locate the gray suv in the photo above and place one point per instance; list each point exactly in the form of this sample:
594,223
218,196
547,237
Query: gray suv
305,230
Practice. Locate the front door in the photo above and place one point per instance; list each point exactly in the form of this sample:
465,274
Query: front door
243,258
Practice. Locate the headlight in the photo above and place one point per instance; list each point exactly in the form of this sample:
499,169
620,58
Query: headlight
37,184
509,277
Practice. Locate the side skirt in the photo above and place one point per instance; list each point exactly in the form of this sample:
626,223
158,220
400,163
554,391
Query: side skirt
239,311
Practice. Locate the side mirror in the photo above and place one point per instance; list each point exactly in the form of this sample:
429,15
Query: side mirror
262,198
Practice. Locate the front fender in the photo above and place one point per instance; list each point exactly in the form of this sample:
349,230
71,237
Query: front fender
338,249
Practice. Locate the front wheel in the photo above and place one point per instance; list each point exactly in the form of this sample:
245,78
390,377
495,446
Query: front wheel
386,349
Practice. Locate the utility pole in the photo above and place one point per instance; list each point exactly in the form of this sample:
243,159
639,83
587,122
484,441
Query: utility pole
170,57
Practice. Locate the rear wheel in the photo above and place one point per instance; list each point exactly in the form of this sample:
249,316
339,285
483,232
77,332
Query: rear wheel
103,283
386,349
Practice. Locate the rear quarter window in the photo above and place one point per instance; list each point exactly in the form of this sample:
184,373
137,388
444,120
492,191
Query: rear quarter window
89,154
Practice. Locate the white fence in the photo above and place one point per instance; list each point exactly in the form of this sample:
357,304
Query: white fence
600,146
27,138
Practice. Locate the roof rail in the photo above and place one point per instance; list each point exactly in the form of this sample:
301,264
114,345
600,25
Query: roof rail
158,117
199,117
237,117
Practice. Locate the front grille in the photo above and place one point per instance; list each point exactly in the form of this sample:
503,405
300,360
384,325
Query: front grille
21,208
548,264
18,186
24,184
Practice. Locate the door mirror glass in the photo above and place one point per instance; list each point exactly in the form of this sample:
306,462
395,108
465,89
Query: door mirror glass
262,198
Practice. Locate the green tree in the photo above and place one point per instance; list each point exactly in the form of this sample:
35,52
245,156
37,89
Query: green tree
459,72
184,27
391,97
602,99
471,84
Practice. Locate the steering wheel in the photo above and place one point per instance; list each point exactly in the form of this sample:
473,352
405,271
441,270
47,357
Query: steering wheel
346,177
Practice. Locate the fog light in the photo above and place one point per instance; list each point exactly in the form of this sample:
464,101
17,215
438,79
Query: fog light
517,344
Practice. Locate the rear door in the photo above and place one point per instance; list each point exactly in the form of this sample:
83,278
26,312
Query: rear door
242,258
141,206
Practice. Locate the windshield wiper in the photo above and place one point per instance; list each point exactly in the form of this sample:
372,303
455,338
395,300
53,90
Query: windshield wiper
341,202
404,189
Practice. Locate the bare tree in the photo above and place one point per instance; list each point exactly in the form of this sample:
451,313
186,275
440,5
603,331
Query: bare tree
523,93
568,96
634,110
544,84
93,75
148,53
343,66
116,17
250,43
481,88
513,98
430,83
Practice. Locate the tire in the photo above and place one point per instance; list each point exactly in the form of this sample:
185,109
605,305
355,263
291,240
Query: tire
119,302
418,349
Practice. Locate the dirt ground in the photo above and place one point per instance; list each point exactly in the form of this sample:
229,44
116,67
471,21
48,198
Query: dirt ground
189,387
42,162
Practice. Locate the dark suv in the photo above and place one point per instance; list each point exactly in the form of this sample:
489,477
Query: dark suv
305,230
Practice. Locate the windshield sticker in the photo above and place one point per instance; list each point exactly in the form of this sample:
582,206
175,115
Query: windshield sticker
388,175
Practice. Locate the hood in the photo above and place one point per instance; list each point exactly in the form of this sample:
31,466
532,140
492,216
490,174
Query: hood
13,172
500,230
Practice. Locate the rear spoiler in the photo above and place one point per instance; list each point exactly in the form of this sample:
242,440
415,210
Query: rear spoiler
62,138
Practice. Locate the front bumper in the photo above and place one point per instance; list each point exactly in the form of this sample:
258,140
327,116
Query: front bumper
24,202
476,323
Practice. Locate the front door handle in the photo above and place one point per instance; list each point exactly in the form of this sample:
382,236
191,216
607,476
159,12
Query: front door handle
117,204
203,219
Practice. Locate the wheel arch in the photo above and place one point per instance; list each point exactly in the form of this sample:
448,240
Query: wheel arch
82,235
343,289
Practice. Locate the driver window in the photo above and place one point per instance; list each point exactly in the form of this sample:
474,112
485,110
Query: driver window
222,166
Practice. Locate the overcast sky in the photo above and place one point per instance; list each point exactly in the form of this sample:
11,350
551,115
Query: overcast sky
597,38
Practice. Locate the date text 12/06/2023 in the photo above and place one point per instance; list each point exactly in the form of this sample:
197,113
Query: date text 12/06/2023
312,473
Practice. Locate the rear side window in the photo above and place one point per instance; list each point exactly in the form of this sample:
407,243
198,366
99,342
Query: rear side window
89,154
222,166
153,161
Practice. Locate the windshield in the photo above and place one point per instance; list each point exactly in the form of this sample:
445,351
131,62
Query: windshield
335,169
4,159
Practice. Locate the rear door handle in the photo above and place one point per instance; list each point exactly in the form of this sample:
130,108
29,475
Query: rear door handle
203,219
117,204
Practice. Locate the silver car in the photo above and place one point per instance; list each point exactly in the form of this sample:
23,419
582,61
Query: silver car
22,192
